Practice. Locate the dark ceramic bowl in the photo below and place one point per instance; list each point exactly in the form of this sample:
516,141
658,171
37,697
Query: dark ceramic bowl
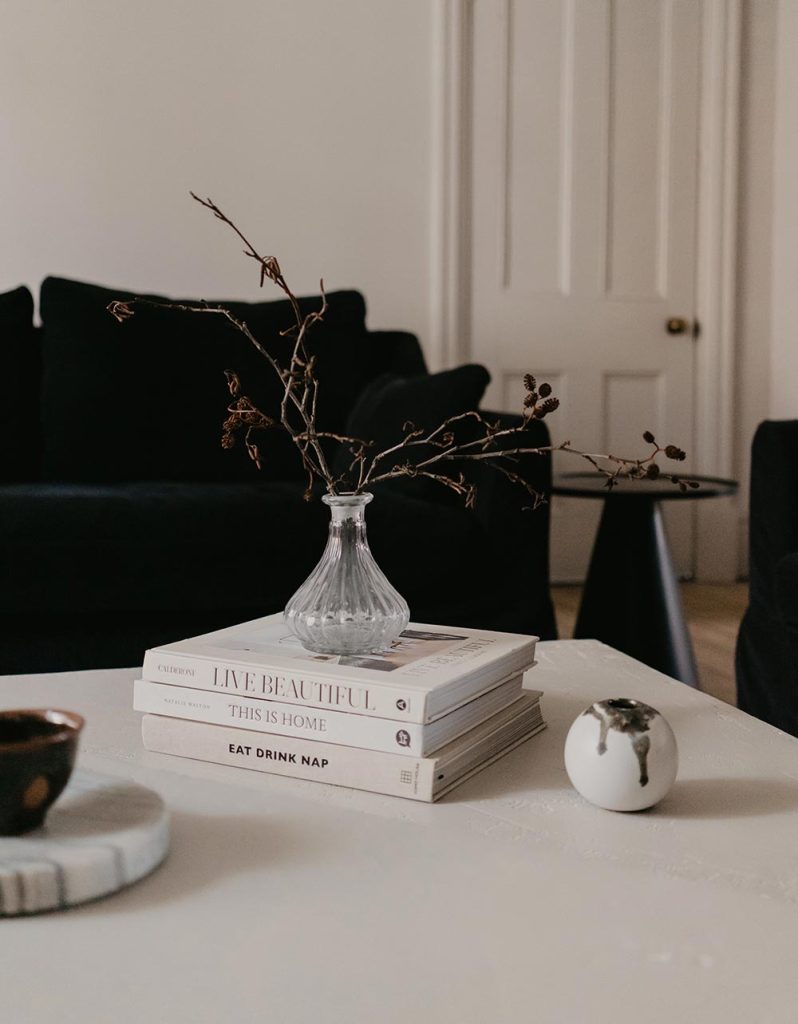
37,755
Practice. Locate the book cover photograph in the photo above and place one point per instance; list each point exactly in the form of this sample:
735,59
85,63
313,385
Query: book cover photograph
413,645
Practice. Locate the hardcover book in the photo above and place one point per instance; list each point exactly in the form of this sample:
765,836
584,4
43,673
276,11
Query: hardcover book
428,672
222,708
424,778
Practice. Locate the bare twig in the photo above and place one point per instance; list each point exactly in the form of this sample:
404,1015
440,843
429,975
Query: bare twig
420,453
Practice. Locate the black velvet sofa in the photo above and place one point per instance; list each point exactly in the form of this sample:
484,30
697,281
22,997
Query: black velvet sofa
767,643
123,523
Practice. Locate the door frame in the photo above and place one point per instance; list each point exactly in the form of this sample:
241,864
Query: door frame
716,234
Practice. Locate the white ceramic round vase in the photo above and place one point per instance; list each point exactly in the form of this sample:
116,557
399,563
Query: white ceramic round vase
621,754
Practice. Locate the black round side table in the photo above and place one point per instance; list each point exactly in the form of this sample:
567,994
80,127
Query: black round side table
631,598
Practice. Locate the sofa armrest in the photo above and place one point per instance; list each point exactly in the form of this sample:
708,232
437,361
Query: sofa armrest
773,525
767,643
504,510
767,653
787,599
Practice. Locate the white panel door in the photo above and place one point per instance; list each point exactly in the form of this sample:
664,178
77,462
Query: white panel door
584,185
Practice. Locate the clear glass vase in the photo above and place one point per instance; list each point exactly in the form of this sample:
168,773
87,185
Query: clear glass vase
346,605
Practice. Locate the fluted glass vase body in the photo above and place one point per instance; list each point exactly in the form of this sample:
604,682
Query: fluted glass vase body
346,605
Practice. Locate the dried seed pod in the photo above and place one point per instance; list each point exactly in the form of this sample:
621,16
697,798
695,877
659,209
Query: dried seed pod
547,406
649,438
675,453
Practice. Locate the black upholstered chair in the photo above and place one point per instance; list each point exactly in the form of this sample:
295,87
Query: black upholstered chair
767,644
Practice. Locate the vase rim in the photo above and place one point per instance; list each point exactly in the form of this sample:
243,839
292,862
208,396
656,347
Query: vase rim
347,500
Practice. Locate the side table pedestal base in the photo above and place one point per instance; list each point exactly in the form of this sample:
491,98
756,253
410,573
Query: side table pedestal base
631,598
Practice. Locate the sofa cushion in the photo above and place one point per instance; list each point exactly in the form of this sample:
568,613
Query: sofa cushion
389,403
19,388
145,399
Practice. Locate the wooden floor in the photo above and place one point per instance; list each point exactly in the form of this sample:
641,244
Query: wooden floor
713,615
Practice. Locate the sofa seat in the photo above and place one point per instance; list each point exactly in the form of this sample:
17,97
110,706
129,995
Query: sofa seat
158,545
79,548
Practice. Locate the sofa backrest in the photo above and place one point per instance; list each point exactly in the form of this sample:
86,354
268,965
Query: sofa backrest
20,372
145,399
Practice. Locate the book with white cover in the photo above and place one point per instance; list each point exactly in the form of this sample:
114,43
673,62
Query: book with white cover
319,723
426,673
417,778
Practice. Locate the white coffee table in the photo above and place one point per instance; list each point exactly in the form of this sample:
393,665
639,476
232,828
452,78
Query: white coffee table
513,900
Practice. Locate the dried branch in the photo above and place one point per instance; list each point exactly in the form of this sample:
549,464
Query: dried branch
420,453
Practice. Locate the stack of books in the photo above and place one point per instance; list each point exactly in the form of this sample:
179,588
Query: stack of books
415,721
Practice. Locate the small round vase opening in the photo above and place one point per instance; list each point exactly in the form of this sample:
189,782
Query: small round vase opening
346,605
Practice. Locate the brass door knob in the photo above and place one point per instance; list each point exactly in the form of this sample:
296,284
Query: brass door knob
677,325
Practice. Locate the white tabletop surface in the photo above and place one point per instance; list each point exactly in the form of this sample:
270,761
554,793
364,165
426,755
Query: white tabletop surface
512,900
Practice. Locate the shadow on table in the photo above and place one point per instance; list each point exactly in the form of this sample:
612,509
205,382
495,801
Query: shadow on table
536,765
205,850
728,798
538,772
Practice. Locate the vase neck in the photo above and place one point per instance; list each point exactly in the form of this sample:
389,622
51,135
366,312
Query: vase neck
347,507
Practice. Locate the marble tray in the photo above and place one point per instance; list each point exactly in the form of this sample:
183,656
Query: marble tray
101,835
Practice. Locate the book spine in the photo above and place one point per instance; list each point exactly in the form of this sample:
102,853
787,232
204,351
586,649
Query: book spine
382,701
281,719
375,771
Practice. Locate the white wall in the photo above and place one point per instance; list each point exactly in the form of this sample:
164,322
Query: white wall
755,240
307,120
784,356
